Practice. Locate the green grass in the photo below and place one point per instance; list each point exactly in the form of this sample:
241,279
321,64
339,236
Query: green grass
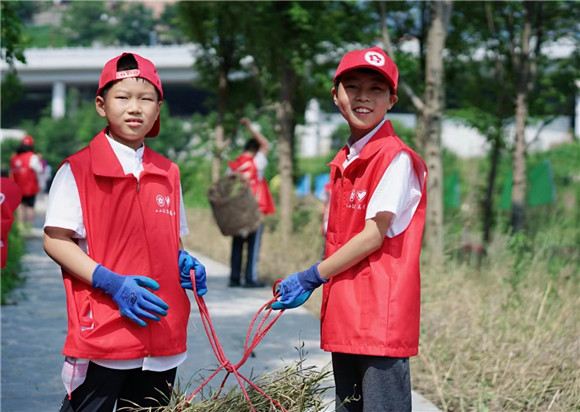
11,278
497,336
46,36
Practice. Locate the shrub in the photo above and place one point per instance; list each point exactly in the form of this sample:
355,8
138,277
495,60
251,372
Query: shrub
11,273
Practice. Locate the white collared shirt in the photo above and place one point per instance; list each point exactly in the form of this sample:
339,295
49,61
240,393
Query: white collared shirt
399,190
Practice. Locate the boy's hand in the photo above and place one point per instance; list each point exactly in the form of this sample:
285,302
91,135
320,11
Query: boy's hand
186,263
129,293
297,288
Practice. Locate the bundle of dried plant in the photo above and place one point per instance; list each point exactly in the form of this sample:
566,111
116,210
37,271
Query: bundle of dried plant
297,388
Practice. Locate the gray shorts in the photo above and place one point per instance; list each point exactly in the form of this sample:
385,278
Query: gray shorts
371,383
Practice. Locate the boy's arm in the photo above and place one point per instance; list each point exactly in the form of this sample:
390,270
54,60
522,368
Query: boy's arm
264,143
60,246
359,247
297,288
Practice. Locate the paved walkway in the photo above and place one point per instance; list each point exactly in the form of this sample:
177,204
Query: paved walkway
34,328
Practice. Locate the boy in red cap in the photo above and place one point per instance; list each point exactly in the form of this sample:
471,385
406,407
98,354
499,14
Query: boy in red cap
114,223
371,276
25,167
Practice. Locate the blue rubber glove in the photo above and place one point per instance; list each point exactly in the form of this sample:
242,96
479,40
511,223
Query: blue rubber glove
297,288
186,263
129,293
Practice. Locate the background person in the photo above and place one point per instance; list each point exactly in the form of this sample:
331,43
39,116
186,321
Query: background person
114,223
25,167
251,165
45,176
371,274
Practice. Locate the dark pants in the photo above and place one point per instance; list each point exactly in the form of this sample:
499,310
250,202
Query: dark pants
103,387
374,383
253,241
28,200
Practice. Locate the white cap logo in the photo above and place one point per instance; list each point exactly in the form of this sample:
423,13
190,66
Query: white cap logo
127,74
374,58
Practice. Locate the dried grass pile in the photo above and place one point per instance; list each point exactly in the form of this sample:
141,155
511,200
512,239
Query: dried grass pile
296,388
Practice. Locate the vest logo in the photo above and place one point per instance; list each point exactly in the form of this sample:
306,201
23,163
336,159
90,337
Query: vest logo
164,202
356,199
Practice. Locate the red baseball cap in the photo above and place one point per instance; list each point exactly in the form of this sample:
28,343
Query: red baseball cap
27,140
145,70
373,58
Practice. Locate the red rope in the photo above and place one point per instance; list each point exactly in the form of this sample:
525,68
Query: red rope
252,340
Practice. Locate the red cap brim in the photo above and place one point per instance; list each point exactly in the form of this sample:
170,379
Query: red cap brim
154,132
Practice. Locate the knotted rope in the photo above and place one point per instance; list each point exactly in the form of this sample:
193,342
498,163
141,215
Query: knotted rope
252,340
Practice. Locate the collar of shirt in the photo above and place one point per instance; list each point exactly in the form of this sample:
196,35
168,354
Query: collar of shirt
356,147
131,160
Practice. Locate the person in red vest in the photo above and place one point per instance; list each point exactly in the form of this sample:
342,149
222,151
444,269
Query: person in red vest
114,222
10,198
251,164
25,166
371,275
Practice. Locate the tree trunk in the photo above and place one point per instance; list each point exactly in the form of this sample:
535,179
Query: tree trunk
420,131
432,117
496,146
519,165
429,117
220,144
525,66
285,120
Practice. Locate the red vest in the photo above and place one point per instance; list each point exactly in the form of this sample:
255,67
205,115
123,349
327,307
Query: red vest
245,165
22,174
10,198
132,228
373,307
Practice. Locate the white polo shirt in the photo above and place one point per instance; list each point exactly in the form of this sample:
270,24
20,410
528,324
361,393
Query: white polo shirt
399,190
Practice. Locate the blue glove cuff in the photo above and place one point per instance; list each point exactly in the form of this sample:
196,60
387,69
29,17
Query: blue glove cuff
107,280
310,279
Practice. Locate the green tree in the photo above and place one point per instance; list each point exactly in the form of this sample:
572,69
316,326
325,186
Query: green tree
272,48
294,44
429,110
133,24
86,22
13,43
174,141
218,28
169,26
522,29
511,80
